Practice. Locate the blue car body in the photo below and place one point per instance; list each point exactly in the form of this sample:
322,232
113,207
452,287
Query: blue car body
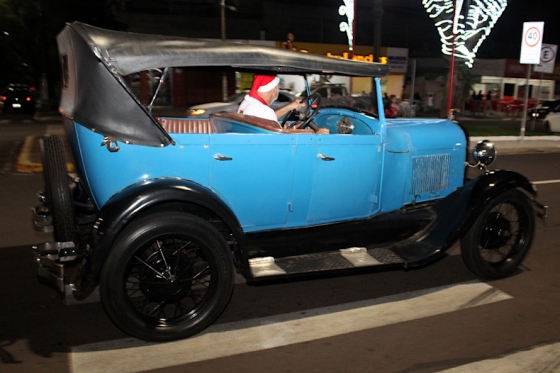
277,181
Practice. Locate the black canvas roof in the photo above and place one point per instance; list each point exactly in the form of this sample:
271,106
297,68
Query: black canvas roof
129,52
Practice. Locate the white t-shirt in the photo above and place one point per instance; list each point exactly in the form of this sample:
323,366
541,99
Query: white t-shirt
252,106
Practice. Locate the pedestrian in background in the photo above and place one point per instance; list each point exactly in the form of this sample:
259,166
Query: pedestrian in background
488,104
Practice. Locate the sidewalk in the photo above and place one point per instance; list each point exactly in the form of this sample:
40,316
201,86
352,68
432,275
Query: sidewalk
516,145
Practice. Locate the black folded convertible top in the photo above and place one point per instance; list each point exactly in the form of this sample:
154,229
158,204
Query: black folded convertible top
129,53
94,62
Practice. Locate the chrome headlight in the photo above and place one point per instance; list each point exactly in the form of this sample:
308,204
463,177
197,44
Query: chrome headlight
485,152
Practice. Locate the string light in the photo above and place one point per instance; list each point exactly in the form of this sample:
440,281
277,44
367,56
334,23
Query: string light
470,20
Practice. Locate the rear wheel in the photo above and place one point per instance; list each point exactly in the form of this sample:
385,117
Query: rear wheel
500,238
57,189
168,276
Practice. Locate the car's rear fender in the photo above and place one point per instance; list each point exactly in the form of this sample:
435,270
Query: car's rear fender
165,194
457,212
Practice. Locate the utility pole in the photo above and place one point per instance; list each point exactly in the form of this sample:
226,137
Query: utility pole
224,74
377,17
451,79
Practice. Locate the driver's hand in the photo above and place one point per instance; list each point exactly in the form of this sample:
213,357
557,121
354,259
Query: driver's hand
296,104
322,131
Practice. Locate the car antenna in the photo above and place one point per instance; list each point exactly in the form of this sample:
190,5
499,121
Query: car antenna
161,80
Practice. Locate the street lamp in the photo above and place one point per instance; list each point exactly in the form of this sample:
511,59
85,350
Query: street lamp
223,7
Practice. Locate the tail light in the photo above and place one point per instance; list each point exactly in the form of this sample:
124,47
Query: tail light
28,99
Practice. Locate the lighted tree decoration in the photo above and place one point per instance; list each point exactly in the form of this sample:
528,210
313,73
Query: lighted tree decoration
464,24
348,27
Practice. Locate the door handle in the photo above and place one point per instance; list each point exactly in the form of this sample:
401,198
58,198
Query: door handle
220,157
325,158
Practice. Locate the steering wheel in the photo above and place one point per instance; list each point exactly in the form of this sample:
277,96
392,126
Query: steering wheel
314,103
288,115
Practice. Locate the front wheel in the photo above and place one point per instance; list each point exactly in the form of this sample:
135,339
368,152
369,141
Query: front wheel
168,276
501,236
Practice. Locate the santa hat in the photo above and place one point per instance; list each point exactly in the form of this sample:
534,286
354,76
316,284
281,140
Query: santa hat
264,83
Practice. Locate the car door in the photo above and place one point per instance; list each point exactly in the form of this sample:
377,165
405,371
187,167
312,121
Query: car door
253,174
346,177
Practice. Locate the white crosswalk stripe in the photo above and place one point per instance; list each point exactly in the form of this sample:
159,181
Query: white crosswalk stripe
282,330
542,359
546,182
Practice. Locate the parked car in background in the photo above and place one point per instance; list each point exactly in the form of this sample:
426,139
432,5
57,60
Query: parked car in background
232,103
540,111
18,97
336,94
552,120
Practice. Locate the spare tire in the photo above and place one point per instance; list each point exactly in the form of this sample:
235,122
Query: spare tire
57,189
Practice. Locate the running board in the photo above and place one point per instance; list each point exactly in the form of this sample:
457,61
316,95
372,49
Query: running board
354,257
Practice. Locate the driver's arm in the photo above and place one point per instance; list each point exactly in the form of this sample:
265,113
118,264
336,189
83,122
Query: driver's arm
294,105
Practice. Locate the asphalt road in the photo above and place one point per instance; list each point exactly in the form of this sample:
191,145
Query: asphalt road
429,319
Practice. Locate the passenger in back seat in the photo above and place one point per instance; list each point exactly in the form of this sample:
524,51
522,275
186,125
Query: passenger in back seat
263,92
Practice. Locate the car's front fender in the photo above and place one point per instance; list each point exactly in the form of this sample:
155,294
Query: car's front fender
487,187
457,212
138,199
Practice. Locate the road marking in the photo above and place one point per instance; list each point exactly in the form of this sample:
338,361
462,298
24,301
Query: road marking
259,334
543,359
546,182
55,130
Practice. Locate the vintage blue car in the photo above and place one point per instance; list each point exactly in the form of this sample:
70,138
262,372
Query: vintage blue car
163,212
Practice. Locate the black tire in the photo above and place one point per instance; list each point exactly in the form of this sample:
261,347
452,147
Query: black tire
501,236
152,284
57,189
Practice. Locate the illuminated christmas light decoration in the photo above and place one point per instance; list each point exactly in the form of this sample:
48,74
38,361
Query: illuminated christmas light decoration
347,10
470,21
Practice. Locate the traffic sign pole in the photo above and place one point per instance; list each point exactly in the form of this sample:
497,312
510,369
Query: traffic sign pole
531,44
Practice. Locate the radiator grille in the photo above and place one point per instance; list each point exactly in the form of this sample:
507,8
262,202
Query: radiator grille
430,173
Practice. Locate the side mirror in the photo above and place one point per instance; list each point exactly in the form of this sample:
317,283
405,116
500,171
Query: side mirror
485,153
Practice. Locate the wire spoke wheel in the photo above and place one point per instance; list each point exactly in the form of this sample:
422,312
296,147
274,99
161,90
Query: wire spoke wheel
167,277
500,238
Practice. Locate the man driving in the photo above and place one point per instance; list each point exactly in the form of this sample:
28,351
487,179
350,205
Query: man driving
264,91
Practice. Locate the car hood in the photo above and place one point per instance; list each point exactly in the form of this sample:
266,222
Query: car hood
411,135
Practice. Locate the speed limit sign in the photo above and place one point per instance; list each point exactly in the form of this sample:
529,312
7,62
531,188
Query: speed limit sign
531,42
